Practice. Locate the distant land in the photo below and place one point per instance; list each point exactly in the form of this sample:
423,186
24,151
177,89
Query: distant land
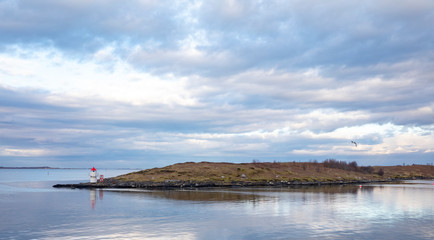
44,167
212,174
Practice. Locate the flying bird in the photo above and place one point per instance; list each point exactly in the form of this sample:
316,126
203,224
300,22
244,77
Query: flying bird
355,144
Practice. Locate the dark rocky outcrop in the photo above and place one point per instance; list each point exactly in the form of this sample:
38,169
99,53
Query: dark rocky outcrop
190,184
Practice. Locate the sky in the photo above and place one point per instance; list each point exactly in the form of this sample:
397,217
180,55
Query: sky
141,84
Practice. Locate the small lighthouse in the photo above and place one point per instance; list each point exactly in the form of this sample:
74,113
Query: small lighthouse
93,174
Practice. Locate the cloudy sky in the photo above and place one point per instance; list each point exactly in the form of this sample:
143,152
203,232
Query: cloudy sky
150,83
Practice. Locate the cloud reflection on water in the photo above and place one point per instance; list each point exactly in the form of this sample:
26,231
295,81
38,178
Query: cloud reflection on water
329,212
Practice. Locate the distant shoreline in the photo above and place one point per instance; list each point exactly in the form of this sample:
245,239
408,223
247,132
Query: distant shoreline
44,167
32,168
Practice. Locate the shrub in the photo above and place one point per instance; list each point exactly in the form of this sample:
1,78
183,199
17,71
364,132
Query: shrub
367,169
352,166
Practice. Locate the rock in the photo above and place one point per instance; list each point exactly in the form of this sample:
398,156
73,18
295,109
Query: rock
176,184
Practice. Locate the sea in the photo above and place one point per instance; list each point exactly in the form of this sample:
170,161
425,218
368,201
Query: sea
30,208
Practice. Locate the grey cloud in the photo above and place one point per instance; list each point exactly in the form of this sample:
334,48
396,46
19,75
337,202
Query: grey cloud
107,132
238,35
306,33
184,63
87,26
298,34
389,94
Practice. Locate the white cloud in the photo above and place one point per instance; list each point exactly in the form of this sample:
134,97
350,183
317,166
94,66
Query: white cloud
30,152
372,139
50,71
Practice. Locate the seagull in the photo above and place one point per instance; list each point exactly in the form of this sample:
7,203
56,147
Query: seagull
355,144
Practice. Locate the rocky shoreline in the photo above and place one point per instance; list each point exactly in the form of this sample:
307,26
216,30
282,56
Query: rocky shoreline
194,185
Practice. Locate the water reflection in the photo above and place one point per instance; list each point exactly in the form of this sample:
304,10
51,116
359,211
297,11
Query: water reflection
400,211
326,212
93,197
196,195
248,194
327,189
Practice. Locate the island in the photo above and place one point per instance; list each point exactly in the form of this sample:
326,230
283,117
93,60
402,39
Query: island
255,174
44,167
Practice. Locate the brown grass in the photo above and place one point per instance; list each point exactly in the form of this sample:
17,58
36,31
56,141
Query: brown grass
270,171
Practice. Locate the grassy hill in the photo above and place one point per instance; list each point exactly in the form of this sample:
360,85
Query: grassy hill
276,172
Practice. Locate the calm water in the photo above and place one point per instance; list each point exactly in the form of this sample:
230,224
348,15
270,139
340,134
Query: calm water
31,209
